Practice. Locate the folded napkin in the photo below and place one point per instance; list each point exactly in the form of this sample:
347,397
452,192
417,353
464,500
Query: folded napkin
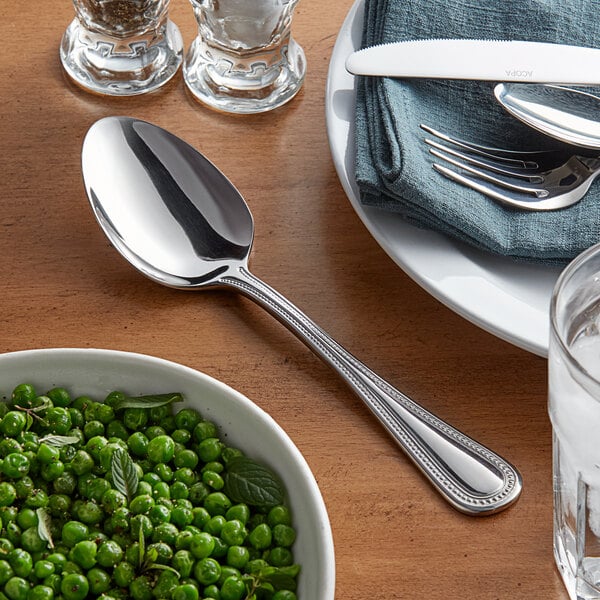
393,165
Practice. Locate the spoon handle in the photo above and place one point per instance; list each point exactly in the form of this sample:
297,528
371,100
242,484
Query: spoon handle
475,480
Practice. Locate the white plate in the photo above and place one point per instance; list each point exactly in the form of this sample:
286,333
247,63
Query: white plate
507,298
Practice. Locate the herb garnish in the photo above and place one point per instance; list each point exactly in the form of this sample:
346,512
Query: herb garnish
124,473
148,401
44,526
252,483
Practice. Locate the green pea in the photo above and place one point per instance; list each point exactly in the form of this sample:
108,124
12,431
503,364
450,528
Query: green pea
233,588
234,533
58,560
279,514
284,535
53,582
165,532
159,514
124,574
141,504
185,592
215,525
13,423
40,592
202,545
43,569
109,553
212,591
217,503
84,554
181,436
89,513
213,480
154,431
31,540
135,418
26,518
65,483
207,571
240,512
204,430
59,396
141,588
74,532
284,595
21,562
112,500
74,586
105,414
16,588
159,413
179,490
47,454
23,394
8,445
238,556
209,449
58,419
280,557
187,418
15,465
164,472
138,443
59,505
201,516
116,429
182,516
82,463
6,571
93,428
99,580
161,449
76,415
94,446
29,440
186,458
261,537
52,471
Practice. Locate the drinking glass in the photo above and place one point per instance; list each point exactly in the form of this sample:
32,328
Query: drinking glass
244,59
574,407
121,47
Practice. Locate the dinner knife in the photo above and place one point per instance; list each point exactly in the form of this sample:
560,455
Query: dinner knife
486,60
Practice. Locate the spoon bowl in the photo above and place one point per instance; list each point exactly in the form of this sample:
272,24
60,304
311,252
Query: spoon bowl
568,115
176,218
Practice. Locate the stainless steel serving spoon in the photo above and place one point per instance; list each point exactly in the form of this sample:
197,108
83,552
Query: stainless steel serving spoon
176,218
571,116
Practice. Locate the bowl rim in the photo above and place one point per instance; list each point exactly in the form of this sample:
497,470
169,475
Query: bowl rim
324,524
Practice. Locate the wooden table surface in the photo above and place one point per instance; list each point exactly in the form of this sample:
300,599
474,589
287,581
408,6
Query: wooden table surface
63,285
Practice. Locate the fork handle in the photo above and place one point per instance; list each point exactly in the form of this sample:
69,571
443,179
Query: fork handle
472,478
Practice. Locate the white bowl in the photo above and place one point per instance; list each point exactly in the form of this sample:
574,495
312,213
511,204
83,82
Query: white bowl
245,425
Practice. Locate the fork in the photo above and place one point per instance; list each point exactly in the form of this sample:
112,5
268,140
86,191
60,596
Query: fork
531,180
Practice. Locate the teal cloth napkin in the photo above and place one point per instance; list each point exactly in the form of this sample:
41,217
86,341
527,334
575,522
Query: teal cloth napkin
393,165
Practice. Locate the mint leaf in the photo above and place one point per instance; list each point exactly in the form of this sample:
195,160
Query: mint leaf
44,526
252,483
58,441
125,475
150,401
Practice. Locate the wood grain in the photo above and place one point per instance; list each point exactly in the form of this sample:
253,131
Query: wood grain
63,285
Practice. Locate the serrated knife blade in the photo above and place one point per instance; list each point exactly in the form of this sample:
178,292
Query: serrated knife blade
485,60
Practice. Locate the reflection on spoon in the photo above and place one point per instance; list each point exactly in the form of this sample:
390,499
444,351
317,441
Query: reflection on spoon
571,116
182,223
